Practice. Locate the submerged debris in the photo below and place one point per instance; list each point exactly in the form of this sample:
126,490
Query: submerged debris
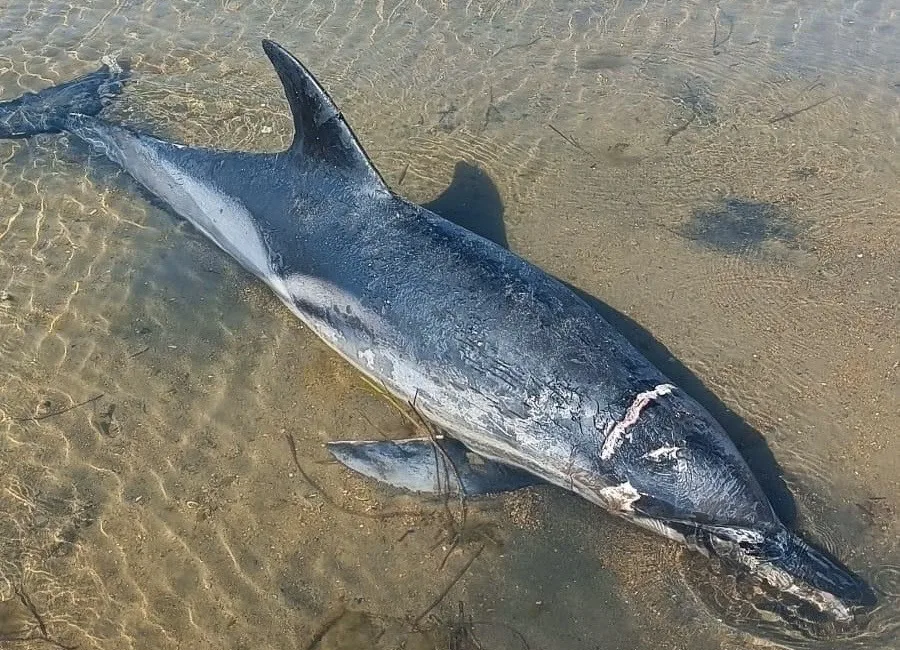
739,226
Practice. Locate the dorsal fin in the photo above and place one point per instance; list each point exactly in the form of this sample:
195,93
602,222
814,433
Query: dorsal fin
320,131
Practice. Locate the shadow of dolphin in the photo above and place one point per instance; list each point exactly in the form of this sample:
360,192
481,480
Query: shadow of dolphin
472,201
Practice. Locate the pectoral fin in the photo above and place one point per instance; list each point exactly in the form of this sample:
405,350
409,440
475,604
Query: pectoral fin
417,464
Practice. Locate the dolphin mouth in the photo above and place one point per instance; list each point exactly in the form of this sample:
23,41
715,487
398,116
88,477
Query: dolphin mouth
807,587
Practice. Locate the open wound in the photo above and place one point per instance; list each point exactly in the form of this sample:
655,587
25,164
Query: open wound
617,432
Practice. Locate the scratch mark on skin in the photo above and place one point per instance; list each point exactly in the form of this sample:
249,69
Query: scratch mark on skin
618,433
663,453
620,498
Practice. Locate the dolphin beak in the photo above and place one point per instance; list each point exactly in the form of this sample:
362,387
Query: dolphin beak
795,569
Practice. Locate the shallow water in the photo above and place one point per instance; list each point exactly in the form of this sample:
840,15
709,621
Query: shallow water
723,177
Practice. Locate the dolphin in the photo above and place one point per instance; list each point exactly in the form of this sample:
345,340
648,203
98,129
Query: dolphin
523,380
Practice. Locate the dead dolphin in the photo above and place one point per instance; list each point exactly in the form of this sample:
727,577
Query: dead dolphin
529,381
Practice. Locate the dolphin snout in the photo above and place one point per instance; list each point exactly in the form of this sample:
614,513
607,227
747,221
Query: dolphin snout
817,570
795,570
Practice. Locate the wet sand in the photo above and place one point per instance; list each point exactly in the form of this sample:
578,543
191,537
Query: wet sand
723,180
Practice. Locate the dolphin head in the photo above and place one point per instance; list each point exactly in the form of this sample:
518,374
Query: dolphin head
808,584
689,482
806,587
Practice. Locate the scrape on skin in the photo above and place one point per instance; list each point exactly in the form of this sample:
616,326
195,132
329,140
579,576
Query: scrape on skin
666,452
620,498
618,433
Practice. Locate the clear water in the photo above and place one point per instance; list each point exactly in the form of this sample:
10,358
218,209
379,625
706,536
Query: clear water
723,176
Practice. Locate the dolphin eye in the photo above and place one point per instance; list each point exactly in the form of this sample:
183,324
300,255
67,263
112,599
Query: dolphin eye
747,546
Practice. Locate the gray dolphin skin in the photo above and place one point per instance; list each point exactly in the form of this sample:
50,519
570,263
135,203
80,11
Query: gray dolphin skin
527,381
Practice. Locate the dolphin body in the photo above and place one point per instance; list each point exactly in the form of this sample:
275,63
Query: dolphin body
528,382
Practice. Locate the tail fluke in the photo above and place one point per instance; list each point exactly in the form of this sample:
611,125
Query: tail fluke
46,111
